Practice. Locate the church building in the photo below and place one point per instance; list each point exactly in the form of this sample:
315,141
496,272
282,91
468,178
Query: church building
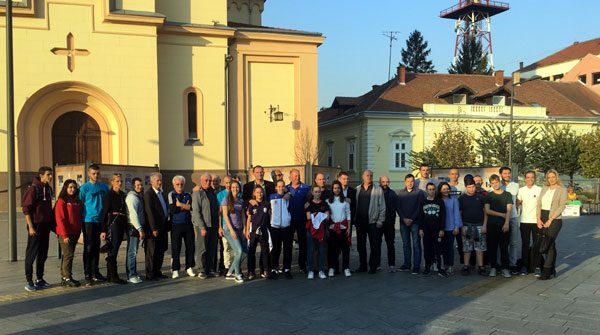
188,85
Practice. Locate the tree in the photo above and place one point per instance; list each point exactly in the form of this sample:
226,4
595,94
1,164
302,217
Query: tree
417,158
471,59
589,157
305,149
414,57
494,143
559,150
454,146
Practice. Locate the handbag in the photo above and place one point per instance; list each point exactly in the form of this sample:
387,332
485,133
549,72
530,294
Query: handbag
544,241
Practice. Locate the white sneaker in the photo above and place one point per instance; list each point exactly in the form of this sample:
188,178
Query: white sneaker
175,274
331,272
311,275
134,280
506,273
492,272
347,273
435,268
322,275
392,269
190,272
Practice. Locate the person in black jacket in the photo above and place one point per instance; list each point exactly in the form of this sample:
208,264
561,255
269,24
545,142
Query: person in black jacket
157,213
349,192
388,230
114,224
259,180
432,217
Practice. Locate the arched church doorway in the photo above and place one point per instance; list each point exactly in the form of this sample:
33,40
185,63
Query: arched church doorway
76,137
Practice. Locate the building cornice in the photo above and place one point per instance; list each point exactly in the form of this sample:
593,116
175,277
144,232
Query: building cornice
206,30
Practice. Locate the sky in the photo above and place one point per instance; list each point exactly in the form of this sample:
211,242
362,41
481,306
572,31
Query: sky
355,53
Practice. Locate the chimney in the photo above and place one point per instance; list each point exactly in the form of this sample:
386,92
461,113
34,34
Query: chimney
499,78
401,74
520,66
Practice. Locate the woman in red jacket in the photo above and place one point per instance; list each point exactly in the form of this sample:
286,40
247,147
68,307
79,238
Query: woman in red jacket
68,211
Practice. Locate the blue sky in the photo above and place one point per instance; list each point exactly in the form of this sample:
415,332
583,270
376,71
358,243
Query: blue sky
355,53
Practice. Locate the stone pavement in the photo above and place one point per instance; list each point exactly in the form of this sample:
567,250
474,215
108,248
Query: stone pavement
397,303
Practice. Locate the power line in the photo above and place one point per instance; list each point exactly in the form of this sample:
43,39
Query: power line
392,36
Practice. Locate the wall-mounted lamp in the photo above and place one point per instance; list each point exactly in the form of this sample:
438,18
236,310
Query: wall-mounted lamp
274,113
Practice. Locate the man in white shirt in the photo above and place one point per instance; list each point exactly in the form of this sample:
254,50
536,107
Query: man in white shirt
515,239
527,199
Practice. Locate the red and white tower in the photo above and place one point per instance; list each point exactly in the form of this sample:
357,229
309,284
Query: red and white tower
473,20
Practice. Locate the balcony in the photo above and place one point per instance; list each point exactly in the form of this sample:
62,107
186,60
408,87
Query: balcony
483,110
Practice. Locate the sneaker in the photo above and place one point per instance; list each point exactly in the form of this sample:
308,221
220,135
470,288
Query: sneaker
134,280
347,273
538,272
450,270
88,281
331,272
251,275
264,275
274,274
415,271
30,287
69,282
288,274
506,273
229,276
322,275
482,271
239,279
427,271
41,284
175,274
443,273
190,272
392,269
202,275
492,272
212,274
435,267
404,268
465,271
99,278
311,275
378,268
523,271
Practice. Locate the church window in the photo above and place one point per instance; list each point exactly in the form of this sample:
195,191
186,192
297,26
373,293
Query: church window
192,112
193,116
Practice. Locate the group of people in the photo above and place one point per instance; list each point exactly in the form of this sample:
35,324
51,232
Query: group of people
222,223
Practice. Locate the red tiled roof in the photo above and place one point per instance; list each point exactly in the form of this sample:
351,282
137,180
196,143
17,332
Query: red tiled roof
577,50
560,99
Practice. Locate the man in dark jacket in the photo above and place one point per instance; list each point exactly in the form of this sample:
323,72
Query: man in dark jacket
410,199
205,217
157,214
37,207
388,230
259,180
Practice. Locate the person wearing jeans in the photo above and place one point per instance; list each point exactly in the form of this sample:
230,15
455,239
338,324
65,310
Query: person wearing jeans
137,221
181,218
514,243
409,201
232,208
452,225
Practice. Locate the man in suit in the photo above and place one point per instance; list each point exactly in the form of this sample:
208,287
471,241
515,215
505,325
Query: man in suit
349,192
205,217
157,215
259,180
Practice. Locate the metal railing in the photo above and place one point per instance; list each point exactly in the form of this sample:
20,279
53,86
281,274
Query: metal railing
464,3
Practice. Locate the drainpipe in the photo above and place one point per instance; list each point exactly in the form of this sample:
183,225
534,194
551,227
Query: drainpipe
228,60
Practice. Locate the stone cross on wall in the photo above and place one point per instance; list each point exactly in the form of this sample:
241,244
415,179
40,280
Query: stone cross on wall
70,52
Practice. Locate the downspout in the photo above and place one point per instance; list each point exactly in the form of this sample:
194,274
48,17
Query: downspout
228,60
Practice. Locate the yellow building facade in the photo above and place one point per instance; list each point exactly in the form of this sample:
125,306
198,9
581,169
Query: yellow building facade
187,85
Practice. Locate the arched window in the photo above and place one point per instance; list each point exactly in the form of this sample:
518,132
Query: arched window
193,116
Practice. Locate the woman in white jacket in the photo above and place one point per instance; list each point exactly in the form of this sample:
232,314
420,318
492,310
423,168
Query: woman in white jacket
281,231
339,231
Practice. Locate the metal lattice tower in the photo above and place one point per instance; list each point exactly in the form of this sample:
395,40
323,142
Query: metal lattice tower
473,21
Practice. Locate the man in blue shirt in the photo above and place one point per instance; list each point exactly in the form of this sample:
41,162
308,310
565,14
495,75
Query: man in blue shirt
92,195
298,192
180,205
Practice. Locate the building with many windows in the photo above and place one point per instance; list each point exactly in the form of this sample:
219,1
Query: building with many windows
379,129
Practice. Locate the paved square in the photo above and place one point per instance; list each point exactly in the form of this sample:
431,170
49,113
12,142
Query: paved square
383,303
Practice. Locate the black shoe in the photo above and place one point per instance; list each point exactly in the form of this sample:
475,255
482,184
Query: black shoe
99,277
372,271
69,282
41,284
465,271
89,281
360,270
288,274
443,273
482,271
251,275
404,268
273,275
546,274
303,269
414,271
212,274
427,271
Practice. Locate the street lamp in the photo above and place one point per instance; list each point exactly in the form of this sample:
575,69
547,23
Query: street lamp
275,114
515,82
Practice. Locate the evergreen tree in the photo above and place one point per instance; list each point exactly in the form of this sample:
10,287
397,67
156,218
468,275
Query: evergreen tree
414,57
471,59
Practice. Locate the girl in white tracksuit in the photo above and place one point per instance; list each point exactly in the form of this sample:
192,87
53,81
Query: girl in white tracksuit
339,231
281,231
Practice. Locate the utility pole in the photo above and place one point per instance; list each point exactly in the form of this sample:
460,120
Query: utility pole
392,36
10,138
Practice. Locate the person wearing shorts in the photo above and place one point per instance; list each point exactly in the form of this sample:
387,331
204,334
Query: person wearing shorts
471,206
